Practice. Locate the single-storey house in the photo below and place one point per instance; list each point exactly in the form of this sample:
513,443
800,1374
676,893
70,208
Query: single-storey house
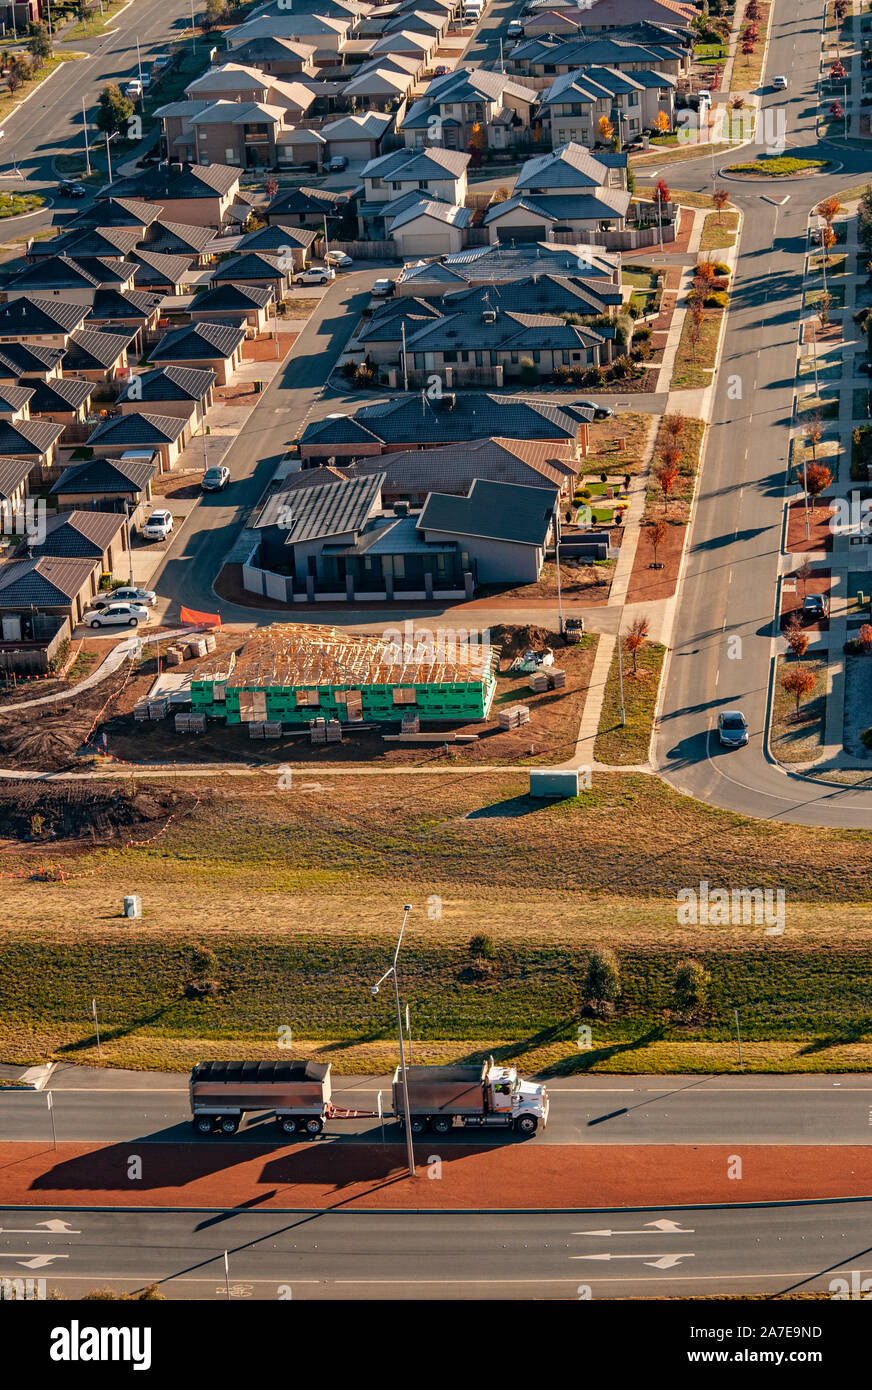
96,356
246,306
164,436
357,137
35,320
15,402
109,485
14,488
65,400
257,268
215,345
183,391
48,585
88,535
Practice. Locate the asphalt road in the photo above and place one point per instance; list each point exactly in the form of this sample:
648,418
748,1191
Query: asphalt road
408,1255
153,1107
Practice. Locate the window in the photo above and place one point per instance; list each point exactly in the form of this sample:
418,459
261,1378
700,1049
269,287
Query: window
449,357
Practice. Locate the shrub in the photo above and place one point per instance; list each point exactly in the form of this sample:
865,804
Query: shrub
529,372
717,300
866,737
481,947
594,376
562,376
642,334
720,268
690,987
601,986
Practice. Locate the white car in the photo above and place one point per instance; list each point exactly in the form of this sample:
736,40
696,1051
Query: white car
158,526
118,615
338,259
128,594
315,275
382,288
780,84
133,89
516,27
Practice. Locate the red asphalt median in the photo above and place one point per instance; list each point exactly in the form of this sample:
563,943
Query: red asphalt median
323,1173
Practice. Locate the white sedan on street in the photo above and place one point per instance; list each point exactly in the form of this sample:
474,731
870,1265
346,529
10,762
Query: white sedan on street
118,615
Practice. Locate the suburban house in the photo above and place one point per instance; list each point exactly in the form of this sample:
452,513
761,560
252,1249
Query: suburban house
396,181
14,474
75,282
15,402
215,345
51,585
98,357
144,434
64,400
612,14
357,137
428,228
30,362
91,535
182,391
108,210
112,242
576,102
109,485
337,540
381,86
202,195
278,57
258,269
245,306
325,34
597,270
241,133
46,322
236,82
542,59
567,193
157,273
293,244
136,311
414,422
471,107
34,441
306,207
412,474
180,239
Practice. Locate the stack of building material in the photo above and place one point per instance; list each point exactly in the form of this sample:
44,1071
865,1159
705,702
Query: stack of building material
538,681
157,709
196,647
318,731
334,731
514,715
411,724
190,723
209,639
140,711
556,678
272,728
174,656
255,728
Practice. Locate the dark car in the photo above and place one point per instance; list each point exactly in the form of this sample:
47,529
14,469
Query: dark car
600,412
68,188
216,479
815,606
732,728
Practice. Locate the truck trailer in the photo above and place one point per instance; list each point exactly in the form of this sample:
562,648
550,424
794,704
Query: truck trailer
300,1096
474,1096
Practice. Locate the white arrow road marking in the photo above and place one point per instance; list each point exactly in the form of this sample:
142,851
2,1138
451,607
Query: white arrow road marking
54,1227
664,1262
31,1261
662,1227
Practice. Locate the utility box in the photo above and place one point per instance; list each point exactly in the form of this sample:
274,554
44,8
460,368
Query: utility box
132,905
560,783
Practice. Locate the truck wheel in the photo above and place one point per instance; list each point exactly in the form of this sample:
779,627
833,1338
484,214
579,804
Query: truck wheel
288,1124
314,1125
228,1124
419,1124
203,1124
526,1124
441,1124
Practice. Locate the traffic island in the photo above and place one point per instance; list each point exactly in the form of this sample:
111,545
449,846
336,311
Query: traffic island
516,1175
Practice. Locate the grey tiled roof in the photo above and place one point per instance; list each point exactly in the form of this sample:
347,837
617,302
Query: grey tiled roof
12,474
325,510
250,265
230,296
47,582
112,304
139,427
191,181
170,384
20,358
177,235
34,315
105,477
28,436
155,267
90,348
14,397
469,415
61,393
203,340
277,235
493,511
82,534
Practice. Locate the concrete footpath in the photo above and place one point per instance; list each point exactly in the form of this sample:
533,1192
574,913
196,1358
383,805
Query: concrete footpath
517,1174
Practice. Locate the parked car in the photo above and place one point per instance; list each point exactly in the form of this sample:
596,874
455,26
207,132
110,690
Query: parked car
158,526
382,288
732,728
779,84
440,71
815,606
337,164
118,615
68,188
600,412
133,90
216,479
516,27
338,259
315,275
126,594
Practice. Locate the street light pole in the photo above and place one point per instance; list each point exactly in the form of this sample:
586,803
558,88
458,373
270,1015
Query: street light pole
85,128
621,678
410,1150
109,159
557,563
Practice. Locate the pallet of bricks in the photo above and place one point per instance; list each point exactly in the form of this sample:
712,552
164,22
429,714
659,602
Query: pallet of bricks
190,723
547,679
185,651
265,728
325,731
514,716
153,710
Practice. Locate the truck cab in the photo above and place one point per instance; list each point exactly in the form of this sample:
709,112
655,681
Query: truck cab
523,1104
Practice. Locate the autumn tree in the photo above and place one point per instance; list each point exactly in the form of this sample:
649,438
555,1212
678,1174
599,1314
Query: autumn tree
752,10
662,193
796,637
816,479
813,431
804,573
694,331
636,639
829,208
271,187
824,304
661,122
837,71
605,127
14,77
720,198
674,424
837,111
864,637
826,240
799,682
657,531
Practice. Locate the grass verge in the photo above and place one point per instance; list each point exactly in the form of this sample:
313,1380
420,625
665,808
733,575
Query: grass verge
719,231
694,363
619,744
798,738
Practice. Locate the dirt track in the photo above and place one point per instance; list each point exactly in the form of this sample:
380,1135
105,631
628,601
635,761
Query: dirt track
321,1174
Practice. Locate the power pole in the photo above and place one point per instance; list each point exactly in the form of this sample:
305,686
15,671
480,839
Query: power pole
85,128
621,678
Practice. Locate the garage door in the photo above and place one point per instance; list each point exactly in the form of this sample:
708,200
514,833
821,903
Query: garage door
352,149
519,234
428,244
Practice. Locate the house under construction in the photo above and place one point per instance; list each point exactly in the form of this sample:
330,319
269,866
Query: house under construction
299,672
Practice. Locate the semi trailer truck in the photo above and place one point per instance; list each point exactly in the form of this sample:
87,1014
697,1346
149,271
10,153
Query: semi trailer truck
300,1096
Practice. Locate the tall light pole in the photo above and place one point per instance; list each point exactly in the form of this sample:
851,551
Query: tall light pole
621,678
193,30
392,971
85,128
139,69
109,158
557,562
